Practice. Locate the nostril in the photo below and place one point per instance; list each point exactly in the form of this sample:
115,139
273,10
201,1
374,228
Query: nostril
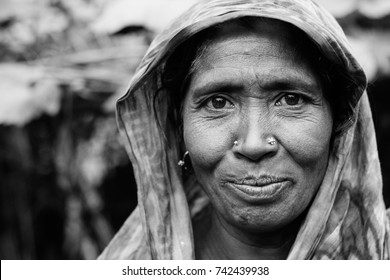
255,149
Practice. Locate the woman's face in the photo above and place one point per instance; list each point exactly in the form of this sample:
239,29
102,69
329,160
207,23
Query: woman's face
246,87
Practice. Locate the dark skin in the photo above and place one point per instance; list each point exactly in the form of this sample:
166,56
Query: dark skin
248,86
211,242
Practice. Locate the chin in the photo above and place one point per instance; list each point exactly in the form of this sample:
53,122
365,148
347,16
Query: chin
265,219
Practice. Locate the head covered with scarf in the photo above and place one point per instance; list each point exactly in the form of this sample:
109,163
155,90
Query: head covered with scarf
346,217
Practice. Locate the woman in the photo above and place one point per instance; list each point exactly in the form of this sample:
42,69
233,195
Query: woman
265,107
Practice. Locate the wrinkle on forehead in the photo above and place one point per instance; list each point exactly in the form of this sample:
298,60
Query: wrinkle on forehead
234,41
279,35
244,48
237,56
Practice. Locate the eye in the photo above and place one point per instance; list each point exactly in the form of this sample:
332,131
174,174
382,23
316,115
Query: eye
219,102
290,100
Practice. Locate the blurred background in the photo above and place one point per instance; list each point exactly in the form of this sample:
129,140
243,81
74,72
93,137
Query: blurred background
66,183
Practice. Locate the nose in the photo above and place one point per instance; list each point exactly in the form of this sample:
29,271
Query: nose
254,138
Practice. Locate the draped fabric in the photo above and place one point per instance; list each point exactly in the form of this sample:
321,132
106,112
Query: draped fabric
347,219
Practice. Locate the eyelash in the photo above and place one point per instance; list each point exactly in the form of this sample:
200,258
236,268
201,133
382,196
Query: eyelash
207,103
301,100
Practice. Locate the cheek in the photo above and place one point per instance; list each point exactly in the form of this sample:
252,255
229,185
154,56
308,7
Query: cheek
308,141
206,143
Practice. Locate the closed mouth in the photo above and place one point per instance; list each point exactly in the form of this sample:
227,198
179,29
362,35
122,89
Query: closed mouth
261,189
260,181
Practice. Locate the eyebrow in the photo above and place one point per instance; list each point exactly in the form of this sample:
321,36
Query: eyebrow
288,81
221,86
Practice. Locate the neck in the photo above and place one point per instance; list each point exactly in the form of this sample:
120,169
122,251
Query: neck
221,241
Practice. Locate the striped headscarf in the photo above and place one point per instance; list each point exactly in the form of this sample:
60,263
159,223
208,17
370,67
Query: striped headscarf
347,219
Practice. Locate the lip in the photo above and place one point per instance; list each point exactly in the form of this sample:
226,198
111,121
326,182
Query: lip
260,190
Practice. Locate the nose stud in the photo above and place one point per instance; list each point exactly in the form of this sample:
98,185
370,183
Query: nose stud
271,140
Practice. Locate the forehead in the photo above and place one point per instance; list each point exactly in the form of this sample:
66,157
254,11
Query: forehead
264,37
261,51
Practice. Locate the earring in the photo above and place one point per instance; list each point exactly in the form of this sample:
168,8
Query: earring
271,140
235,143
182,162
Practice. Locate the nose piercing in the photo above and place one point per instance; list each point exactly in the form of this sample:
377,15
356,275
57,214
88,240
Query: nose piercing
235,143
271,140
